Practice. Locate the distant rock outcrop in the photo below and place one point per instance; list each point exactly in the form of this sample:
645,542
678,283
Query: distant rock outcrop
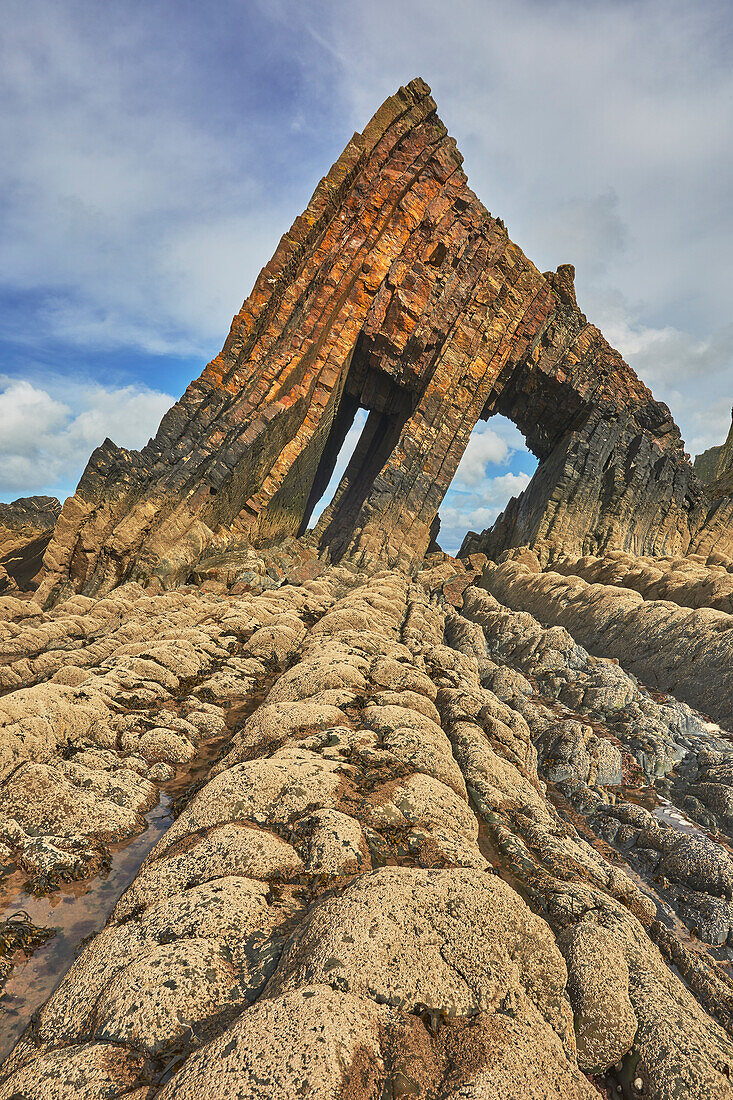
714,467
398,292
26,526
706,464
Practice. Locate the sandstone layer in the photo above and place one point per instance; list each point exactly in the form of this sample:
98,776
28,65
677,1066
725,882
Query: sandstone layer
395,291
669,647
371,890
406,869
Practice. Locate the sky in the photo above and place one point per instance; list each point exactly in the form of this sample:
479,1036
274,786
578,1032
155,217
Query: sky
155,152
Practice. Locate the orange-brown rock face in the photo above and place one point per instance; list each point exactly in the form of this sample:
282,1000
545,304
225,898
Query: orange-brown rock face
398,292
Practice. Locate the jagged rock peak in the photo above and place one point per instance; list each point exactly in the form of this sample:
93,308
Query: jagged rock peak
35,512
26,525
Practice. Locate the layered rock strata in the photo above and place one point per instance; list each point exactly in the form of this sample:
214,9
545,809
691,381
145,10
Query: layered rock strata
105,701
433,830
691,581
26,526
398,292
672,648
371,893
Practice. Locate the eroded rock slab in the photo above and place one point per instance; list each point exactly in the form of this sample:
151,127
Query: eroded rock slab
26,526
669,647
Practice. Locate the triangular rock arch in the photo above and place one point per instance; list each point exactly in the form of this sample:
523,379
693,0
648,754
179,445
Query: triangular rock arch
395,290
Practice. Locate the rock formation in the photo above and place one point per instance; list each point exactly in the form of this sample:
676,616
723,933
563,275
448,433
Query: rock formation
26,526
395,291
669,647
716,461
399,872
714,468
328,817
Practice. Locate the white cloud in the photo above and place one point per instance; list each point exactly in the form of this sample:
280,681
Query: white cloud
131,218
476,510
491,443
693,376
589,230
27,414
46,440
484,446
494,494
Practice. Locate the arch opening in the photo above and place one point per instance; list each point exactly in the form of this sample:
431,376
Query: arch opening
342,447
496,466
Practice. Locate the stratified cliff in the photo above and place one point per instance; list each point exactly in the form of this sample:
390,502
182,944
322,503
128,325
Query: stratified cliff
398,292
714,468
716,461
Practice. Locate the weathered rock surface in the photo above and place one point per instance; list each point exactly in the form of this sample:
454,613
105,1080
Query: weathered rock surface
105,701
692,581
596,730
26,526
715,463
669,647
370,892
598,986
398,292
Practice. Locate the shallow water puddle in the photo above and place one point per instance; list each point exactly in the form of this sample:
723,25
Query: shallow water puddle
670,814
80,909
76,911
663,810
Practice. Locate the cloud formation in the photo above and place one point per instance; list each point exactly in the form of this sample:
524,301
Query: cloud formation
138,199
475,511
46,438
491,443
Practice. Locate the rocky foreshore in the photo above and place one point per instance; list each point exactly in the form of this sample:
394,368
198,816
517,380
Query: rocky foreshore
434,847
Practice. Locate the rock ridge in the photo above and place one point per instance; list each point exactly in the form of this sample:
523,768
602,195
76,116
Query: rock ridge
326,812
407,869
26,526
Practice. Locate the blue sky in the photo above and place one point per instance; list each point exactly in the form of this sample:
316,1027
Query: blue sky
154,153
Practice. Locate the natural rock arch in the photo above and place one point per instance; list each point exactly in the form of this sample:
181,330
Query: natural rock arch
396,291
